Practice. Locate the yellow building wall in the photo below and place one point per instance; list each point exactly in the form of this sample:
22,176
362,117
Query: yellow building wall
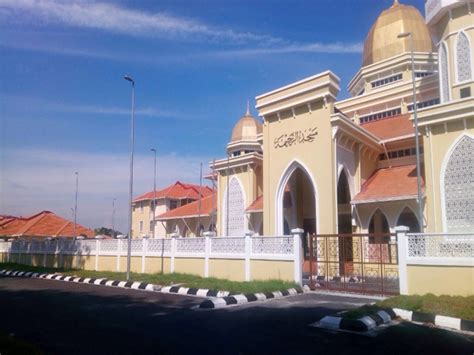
248,181
271,270
437,146
233,270
155,265
440,280
318,156
189,266
107,263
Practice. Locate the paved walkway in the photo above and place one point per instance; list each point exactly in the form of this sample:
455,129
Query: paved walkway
65,318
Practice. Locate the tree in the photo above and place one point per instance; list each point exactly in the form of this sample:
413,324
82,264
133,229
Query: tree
107,231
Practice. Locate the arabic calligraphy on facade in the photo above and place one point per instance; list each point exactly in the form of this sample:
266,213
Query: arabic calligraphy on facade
287,140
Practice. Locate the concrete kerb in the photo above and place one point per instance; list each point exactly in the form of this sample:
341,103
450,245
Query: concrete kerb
220,302
216,299
373,320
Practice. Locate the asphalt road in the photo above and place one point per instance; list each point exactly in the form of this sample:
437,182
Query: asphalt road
68,318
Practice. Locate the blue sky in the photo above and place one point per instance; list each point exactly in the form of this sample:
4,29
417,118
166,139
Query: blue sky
64,105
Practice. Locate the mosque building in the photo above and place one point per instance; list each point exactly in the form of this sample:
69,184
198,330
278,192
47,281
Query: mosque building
332,166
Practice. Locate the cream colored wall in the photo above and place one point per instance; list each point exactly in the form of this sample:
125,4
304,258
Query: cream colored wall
437,146
271,270
189,266
139,215
317,156
446,30
440,280
155,265
227,269
189,225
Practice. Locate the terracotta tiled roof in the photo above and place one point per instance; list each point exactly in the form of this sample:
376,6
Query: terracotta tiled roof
178,190
208,205
43,224
392,127
389,184
256,206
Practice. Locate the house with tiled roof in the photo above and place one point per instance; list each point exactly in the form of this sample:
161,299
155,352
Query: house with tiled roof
41,225
148,206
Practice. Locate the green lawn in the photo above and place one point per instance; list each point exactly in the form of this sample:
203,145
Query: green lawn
12,346
451,306
186,280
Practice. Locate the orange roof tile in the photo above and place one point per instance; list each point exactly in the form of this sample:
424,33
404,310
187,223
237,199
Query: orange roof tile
392,127
43,224
256,206
389,184
208,205
178,190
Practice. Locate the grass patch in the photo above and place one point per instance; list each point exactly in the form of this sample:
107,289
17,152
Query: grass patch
13,346
451,306
186,280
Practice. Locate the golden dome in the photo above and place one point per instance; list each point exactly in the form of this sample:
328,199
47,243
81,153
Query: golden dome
382,42
247,128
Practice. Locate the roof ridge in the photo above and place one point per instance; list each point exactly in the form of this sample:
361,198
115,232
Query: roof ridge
62,228
34,219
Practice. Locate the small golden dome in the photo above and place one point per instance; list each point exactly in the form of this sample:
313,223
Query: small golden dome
247,128
382,42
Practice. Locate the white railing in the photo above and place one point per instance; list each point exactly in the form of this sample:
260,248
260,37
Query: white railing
432,249
430,245
247,248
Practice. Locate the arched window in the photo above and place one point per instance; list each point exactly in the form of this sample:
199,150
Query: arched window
443,72
378,225
459,188
463,58
234,222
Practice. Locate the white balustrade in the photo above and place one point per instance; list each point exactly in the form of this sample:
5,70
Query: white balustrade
227,245
279,245
191,245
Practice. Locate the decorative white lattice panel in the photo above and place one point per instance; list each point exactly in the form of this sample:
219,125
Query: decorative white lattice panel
51,246
157,246
228,245
463,58
137,245
109,245
87,246
191,245
459,188
234,210
441,246
272,245
443,72
37,246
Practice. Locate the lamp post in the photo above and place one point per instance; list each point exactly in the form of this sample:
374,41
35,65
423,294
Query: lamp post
113,218
154,191
75,205
130,190
417,140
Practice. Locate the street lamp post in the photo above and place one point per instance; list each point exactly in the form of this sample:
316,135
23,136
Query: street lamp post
132,143
154,191
75,205
113,218
417,140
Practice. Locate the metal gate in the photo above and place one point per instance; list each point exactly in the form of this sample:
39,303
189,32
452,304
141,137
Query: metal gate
360,263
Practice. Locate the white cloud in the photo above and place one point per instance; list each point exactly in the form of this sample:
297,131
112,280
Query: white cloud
47,105
336,47
35,180
113,18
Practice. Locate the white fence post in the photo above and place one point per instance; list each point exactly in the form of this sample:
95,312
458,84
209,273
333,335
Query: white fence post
173,252
97,252
119,251
207,251
144,252
298,254
248,250
402,251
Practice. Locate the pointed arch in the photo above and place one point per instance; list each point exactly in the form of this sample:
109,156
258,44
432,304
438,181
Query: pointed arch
457,186
443,72
284,179
463,57
407,217
235,215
